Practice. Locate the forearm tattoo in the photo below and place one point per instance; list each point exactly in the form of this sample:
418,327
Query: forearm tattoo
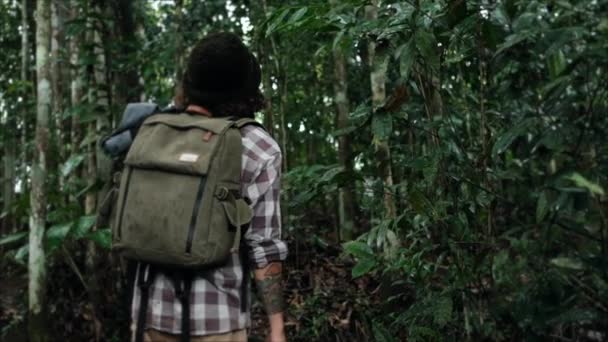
270,289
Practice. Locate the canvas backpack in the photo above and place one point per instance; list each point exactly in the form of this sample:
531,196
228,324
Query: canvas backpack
176,206
179,202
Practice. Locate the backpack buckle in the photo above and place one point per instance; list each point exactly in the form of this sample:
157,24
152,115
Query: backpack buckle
222,193
116,177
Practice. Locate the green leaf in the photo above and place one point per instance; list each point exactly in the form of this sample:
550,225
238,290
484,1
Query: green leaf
511,41
338,39
508,137
363,267
381,334
382,125
541,207
276,22
330,174
71,164
568,263
22,253
344,131
442,311
426,44
556,63
583,182
12,238
407,56
56,235
102,237
298,15
359,249
83,226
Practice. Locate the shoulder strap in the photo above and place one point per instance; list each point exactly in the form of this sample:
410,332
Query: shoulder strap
240,123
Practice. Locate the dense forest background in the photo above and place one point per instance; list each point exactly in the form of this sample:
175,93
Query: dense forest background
444,161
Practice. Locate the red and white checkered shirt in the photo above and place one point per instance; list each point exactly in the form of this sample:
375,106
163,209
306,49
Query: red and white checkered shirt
215,299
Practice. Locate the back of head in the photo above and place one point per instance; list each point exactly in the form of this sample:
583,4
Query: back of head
223,76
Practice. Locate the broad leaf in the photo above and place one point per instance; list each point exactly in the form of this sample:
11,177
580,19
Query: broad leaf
407,56
556,64
507,138
359,249
542,207
102,237
382,125
56,235
12,238
363,267
568,263
583,182
82,227
71,164
426,44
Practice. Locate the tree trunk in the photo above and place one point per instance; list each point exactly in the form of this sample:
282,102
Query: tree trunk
77,83
179,53
346,196
126,87
58,152
378,84
258,14
140,34
25,65
37,262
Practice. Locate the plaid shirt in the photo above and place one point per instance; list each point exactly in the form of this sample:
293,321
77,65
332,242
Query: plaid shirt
215,305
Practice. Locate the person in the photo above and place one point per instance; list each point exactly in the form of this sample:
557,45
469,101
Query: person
222,78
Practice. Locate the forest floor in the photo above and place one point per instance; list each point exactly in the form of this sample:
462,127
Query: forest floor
324,303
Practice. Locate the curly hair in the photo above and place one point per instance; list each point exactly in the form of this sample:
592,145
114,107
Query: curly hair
223,76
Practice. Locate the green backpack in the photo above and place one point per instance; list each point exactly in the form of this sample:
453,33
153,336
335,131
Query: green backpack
178,209
179,201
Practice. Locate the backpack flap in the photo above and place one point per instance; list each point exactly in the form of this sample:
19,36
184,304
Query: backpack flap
176,143
239,214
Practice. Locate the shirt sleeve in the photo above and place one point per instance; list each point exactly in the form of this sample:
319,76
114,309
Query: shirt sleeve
264,234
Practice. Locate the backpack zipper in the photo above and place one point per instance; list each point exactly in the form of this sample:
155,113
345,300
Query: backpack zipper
198,202
124,203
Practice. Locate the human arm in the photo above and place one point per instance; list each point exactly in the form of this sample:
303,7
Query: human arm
266,249
270,289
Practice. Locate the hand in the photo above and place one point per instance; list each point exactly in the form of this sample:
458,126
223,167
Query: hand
276,337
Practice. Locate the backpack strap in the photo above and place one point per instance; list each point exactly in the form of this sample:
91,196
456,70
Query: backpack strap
242,122
144,285
182,284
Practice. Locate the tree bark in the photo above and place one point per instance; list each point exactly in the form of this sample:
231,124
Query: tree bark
346,196
258,15
57,85
126,87
378,85
25,65
179,53
77,82
38,199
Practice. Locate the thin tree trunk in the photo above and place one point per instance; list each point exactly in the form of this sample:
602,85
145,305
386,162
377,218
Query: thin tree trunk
179,53
126,87
263,53
346,196
37,262
378,84
140,33
58,150
25,58
258,14
77,82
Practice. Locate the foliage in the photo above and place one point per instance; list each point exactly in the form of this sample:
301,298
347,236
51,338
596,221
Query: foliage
499,154
495,117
